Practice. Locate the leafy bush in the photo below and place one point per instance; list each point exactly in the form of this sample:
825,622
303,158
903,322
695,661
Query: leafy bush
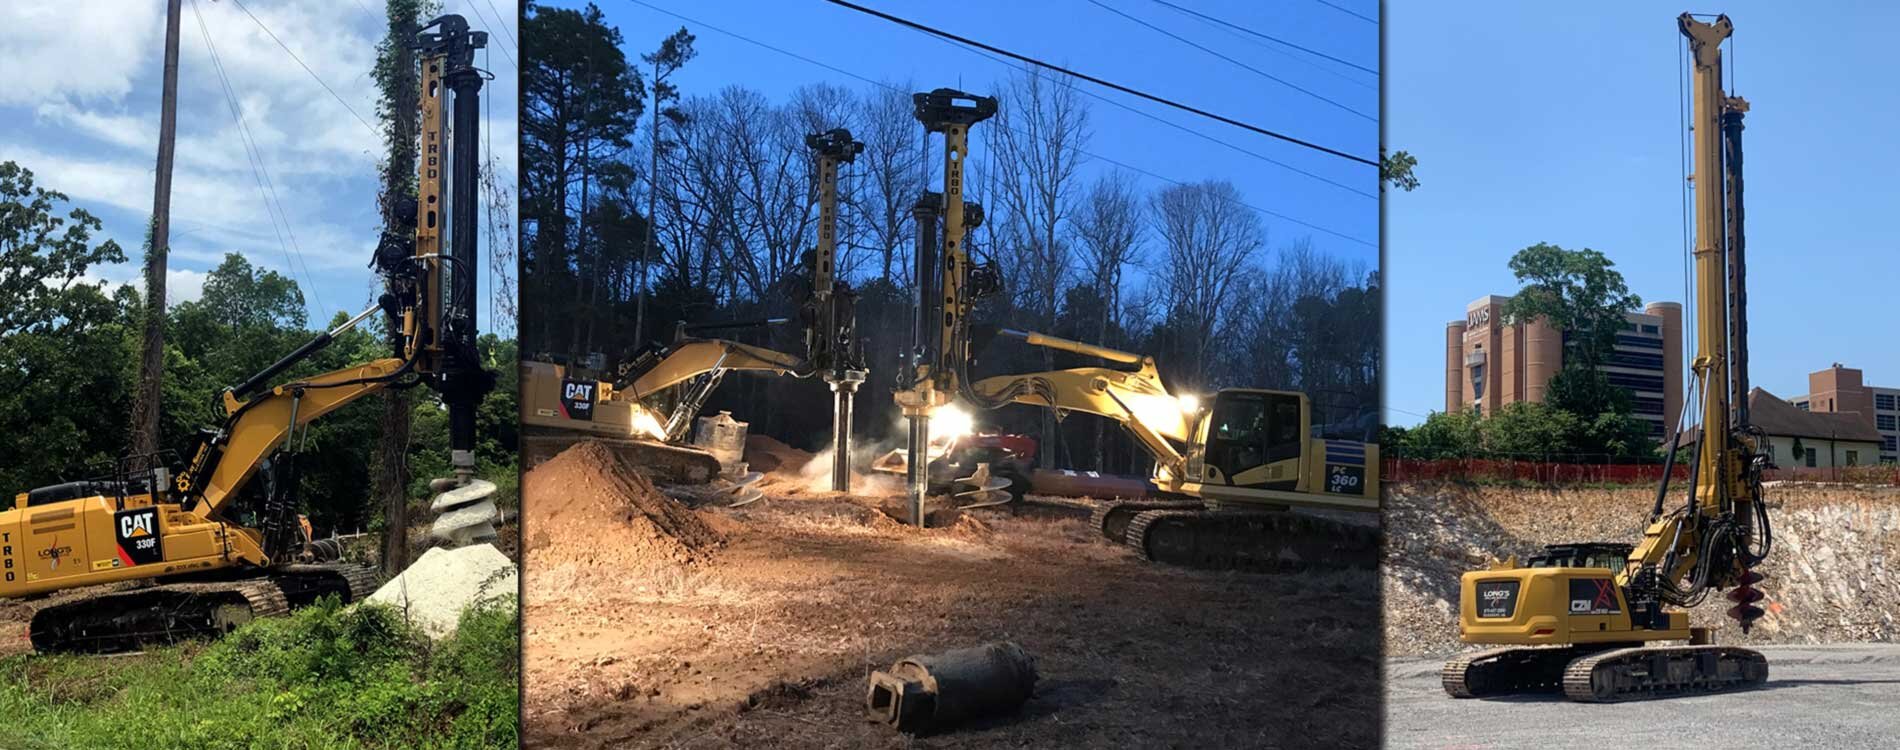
328,676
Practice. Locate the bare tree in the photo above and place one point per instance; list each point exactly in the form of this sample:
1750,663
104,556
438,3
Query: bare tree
1035,142
1209,238
1110,228
891,169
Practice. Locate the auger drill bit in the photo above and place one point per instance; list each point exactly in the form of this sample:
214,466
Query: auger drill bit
1745,596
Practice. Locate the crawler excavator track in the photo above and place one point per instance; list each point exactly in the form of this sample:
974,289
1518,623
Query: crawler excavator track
1652,671
129,619
1112,518
1604,675
1252,540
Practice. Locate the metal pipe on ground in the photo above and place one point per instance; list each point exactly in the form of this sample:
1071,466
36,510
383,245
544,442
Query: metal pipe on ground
932,692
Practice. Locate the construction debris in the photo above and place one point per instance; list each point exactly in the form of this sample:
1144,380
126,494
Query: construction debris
933,692
433,592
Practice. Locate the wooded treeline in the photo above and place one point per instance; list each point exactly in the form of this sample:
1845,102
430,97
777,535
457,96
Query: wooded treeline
1187,273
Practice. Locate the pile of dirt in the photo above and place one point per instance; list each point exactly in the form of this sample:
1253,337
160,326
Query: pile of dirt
1828,578
767,454
593,508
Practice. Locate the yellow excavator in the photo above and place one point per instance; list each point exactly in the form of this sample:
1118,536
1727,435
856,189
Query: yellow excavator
1586,619
1229,472
647,409
151,554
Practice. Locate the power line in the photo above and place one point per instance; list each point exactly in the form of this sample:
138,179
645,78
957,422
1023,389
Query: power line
1275,40
1157,118
267,190
1347,12
501,24
881,84
306,68
1254,70
487,59
1108,84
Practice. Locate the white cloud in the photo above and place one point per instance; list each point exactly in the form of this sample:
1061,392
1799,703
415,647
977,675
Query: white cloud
76,49
181,284
86,101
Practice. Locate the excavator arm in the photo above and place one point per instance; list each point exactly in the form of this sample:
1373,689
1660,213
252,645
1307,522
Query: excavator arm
695,357
1134,398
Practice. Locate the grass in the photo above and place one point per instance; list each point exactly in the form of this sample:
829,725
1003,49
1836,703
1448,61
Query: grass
325,677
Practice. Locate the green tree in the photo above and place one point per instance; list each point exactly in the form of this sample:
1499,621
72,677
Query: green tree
1398,168
1456,434
1579,292
44,256
66,345
1529,430
580,101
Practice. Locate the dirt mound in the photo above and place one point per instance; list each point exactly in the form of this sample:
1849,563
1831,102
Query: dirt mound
768,454
592,507
1828,576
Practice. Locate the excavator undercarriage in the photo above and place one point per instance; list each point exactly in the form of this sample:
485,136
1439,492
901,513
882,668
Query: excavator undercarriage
134,617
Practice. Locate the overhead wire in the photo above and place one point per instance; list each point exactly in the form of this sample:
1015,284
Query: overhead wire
1367,19
267,189
880,84
1107,84
300,63
1030,69
1268,37
502,23
488,60
1250,68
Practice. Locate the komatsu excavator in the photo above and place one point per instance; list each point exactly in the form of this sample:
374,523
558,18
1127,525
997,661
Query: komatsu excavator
152,554
647,410
1234,467
1586,619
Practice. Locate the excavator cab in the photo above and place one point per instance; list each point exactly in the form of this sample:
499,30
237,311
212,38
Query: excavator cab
1256,447
1254,439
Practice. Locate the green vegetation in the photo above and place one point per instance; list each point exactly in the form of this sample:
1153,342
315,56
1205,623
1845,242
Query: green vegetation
327,677
69,344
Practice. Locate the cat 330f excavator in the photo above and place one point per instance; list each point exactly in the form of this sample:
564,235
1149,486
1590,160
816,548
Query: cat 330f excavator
647,410
1581,618
1233,468
218,541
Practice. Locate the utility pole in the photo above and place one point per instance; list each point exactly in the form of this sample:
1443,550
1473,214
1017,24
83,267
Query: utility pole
152,355
401,92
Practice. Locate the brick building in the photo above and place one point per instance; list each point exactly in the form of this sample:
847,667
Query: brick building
1490,362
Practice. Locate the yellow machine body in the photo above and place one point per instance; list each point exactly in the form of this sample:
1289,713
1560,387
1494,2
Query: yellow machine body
1552,606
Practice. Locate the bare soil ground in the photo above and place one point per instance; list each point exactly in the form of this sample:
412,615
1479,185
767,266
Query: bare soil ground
1830,577
758,626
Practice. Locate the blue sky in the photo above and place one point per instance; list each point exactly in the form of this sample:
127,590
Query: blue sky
1551,123
81,105
1090,39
